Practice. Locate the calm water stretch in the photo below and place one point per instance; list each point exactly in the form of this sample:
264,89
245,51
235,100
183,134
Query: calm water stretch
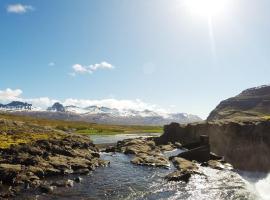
122,180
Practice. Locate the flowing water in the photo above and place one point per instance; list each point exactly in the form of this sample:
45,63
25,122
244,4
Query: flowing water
122,180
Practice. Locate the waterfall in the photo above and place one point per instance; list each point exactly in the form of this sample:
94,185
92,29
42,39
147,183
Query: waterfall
262,187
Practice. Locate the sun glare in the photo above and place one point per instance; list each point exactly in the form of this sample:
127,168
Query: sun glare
207,8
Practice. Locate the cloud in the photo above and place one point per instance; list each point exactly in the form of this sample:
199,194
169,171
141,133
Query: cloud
136,104
19,8
9,94
44,102
102,65
51,64
81,69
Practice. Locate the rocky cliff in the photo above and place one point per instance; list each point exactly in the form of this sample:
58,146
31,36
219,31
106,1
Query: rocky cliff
244,144
253,102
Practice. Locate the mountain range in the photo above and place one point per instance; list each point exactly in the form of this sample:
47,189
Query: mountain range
99,114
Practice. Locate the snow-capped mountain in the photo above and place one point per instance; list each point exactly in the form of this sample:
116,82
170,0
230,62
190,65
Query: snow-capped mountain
101,114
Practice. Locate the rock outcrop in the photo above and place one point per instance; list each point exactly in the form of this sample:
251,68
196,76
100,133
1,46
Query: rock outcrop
146,152
244,144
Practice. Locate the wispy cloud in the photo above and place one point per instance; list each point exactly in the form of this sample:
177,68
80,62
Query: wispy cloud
19,8
81,69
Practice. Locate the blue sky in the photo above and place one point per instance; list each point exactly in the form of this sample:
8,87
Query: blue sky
155,50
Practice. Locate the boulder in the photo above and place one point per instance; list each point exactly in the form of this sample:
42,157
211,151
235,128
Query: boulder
200,154
179,176
183,164
151,160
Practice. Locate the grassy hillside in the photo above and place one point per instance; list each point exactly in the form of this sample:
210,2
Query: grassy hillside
83,127
20,129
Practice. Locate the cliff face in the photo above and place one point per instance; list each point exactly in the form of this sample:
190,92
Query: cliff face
253,102
245,144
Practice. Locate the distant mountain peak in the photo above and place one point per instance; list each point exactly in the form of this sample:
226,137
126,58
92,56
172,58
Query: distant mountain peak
16,105
57,107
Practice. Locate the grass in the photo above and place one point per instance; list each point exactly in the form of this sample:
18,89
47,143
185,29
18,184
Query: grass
83,127
23,138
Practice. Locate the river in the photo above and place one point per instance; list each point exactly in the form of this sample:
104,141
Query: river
124,181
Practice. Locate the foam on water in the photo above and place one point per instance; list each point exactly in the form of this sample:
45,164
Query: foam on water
258,183
263,188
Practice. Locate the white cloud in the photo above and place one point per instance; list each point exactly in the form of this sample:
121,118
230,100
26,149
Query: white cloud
51,64
113,103
102,65
19,8
81,69
44,102
9,94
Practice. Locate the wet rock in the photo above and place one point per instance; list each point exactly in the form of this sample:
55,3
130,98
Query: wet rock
168,147
220,165
183,164
78,179
214,156
110,149
185,169
135,146
200,154
179,176
46,189
151,160
63,183
178,145
82,171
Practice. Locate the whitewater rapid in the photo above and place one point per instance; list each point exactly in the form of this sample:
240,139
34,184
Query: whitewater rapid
259,184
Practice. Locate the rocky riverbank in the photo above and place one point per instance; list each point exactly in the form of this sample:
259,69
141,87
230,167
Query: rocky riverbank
25,165
150,152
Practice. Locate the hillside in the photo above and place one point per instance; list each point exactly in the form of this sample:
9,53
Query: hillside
74,126
251,103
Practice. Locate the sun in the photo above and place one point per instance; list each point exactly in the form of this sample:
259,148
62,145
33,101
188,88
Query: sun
207,8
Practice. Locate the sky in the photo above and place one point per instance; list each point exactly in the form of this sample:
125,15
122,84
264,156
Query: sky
161,54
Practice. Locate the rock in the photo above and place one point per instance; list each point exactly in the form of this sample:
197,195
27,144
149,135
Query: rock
46,189
151,160
183,164
214,156
110,149
179,176
63,183
178,145
135,146
215,164
82,171
168,147
78,179
200,154
9,173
